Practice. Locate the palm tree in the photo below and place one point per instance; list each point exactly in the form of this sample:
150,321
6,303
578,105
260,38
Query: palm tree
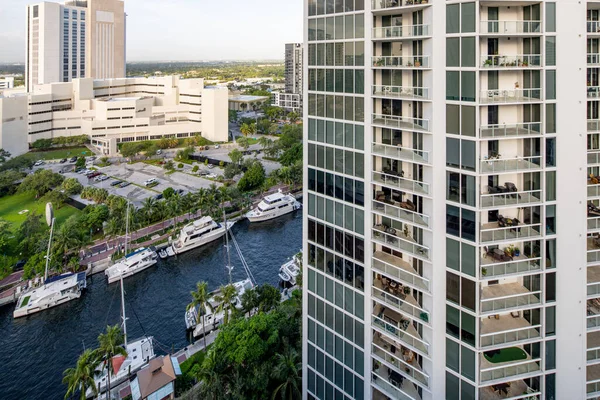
288,371
148,209
162,211
111,345
200,300
249,301
174,206
265,142
248,128
82,376
213,385
226,298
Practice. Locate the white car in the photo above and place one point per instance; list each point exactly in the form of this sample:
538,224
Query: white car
38,163
217,146
150,181
212,176
100,178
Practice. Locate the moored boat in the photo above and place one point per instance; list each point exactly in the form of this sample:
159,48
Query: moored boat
273,206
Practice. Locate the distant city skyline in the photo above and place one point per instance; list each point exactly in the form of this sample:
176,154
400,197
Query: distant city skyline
203,31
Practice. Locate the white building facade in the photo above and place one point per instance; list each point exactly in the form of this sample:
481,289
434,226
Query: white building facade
7,82
122,110
77,39
445,255
291,98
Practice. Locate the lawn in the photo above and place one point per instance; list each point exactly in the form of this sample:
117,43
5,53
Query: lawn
58,154
505,355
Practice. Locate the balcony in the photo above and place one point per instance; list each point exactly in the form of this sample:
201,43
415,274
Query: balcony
401,92
593,380
593,92
388,322
512,231
393,294
507,199
593,157
508,363
593,59
404,184
496,28
593,27
399,357
593,314
401,153
400,32
399,241
396,211
400,62
502,96
401,122
510,131
515,390
593,282
504,165
508,296
391,4
394,387
498,264
593,347
507,328
593,249
397,268
522,61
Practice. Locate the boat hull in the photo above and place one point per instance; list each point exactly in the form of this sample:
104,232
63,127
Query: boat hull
214,235
23,312
130,272
268,216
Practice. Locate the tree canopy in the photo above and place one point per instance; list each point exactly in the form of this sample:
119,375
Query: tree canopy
40,182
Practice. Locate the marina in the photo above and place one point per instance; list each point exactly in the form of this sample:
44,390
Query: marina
37,349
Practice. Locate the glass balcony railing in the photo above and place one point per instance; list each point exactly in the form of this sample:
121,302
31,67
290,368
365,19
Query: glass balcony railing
593,58
511,130
401,183
392,390
496,270
514,233
401,243
510,27
592,387
404,31
403,306
593,354
401,92
400,61
494,96
593,92
400,364
383,4
511,301
395,331
593,256
516,164
516,61
516,335
593,289
401,122
401,214
593,223
510,199
401,153
384,263
504,372
593,27
593,321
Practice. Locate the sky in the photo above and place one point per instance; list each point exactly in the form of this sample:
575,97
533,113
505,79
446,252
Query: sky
184,30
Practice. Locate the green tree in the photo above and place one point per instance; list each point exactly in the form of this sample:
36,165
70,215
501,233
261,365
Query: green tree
80,162
265,127
168,192
42,144
71,186
169,165
236,156
110,345
8,181
268,297
40,182
4,155
288,371
57,197
148,209
253,178
5,234
243,142
265,142
248,129
132,149
293,117
200,302
291,155
81,378
226,300
233,115
249,301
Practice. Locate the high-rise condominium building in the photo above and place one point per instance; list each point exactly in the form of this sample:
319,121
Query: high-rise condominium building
77,39
449,175
293,68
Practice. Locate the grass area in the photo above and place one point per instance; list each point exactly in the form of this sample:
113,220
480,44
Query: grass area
59,154
505,355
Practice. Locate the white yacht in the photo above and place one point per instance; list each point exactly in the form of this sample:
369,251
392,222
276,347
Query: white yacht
55,291
273,206
212,318
133,263
198,233
289,271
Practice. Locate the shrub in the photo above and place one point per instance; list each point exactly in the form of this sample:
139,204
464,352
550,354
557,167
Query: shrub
180,165
195,169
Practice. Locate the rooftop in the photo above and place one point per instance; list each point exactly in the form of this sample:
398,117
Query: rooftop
247,99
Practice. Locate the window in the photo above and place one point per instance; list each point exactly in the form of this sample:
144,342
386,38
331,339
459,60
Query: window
467,52
453,152
468,121
452,355
467,17
453,119
467,358
452,52
452,85
551,85
452,254
550,17
550,51
452,18
550,118
467,86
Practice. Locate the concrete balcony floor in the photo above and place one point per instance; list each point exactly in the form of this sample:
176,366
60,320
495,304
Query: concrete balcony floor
507,165
503,290
508,132
593,274
505,323
593,372
593,340
516,388
406,386
490,261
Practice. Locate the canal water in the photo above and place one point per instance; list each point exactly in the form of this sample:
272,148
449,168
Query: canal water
34,351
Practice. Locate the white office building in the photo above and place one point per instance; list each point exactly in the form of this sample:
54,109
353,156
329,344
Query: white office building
77,39
7,82
113,111
447,253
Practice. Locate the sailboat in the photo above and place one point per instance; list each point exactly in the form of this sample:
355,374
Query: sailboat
139,353
54,291
132,263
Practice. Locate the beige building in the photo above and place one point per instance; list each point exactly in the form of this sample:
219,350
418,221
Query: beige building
77,39
112,111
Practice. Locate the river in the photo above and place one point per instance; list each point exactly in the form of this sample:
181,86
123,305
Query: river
34,351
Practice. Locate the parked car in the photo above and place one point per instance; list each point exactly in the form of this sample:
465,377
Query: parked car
38,163
64,160
124,184
210,166
92,158
116,183
73,159
217,146
19,265
180,192
158,152
93,174
158,196
151,181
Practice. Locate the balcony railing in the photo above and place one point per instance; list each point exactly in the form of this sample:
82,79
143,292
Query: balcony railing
511,130
401,244
593,223
383,4
400,61
391,390
402,306
593,92
593,125
518,232
517,335
401,153
492,96
401,214
401,122
503,372
395,331
517,61
593,27
593,58
510,199
510,268
401,183
593,355
593,157
510,27
593,289
593,256
401,365
397,272
401,92
517,164
404,31
592,387
593,321
511,302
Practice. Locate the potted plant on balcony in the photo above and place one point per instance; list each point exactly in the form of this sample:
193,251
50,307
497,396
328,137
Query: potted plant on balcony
487,63
525,63
484,271
406,290
516,251
409,64
417,63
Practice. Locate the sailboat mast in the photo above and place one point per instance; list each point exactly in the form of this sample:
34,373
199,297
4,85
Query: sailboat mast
48,252
227,245
126,228
123,313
